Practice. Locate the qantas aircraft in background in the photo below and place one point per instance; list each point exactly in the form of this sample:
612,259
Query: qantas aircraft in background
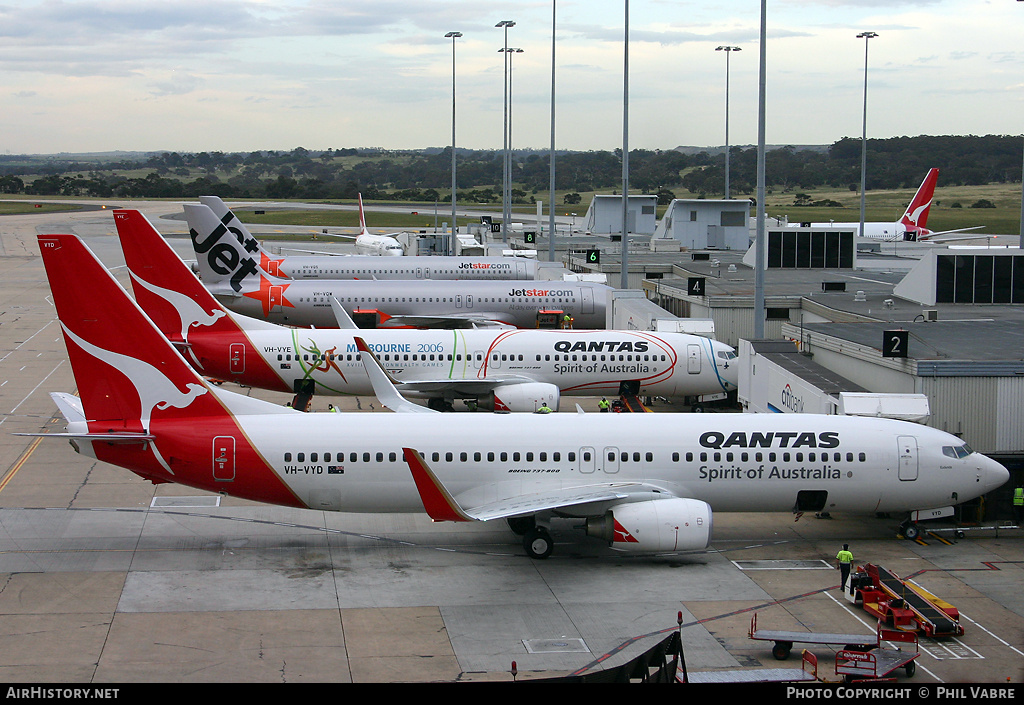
327,266
228,269
640,482
509,370
911,227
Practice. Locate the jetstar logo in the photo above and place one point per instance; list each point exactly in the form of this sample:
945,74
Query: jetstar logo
483,265
225,258
540,292
270,295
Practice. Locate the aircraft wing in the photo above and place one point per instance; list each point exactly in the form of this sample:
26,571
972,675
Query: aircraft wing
474,387
447,322
944,235
318,252
442,506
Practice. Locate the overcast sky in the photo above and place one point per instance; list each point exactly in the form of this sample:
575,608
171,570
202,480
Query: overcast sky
241,75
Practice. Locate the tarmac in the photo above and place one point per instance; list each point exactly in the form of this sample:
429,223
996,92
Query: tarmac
106,578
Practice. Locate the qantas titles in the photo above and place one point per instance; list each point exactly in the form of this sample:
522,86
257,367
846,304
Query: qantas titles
769,439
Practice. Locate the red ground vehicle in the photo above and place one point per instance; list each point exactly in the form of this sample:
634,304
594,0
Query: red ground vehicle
902,605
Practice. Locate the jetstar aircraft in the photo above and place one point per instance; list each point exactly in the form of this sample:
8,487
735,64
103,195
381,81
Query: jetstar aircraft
640,482
229,270
328,266
911,227
499,370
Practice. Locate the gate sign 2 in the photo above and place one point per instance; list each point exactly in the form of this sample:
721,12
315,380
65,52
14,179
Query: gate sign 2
894,343
695,286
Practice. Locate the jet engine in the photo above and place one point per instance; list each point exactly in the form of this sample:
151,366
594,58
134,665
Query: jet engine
677,524
526,397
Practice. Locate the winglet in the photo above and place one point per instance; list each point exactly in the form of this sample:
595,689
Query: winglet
341,315
362,218
384,384
440,505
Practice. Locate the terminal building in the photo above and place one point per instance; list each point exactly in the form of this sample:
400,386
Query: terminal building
954,314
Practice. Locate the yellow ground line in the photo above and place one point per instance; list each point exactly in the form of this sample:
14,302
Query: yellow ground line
21,461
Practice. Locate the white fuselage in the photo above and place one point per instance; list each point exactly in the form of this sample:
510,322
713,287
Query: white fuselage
734,462
378,246
577,362
308,302
413,268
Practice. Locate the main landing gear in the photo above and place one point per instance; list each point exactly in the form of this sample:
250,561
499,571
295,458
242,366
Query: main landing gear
537,541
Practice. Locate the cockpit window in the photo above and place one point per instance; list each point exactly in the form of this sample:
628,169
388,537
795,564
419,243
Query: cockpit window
961,451
726,354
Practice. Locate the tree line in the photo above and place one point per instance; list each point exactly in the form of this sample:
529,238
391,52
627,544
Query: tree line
425,175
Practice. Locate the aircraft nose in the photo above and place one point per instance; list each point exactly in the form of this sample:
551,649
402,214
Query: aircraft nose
993,474
728,365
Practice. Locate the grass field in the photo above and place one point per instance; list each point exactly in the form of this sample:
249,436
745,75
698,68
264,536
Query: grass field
882,205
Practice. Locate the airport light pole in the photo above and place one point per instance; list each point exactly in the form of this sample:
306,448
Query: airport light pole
505,210
624,275
728,50
759,236
551,157
455,228
511,103
866,36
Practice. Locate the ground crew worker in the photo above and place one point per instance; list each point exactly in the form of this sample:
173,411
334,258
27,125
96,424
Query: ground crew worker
543,408
1018,503
603,405
332,407
844,558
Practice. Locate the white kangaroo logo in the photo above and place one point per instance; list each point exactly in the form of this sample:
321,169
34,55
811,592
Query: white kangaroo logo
155,390
190,314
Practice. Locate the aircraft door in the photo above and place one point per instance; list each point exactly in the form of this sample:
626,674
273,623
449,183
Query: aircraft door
587,299
478,358
236,358
611,460
419,272
587,458
693,359
469,301
276,296
224,458
908,457
458,301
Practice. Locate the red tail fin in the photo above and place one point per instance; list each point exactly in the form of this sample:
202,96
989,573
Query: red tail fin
124,367
214,341
131,379
916,214
164,287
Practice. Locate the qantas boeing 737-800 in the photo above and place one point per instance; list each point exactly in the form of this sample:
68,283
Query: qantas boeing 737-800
228,268
640,482
326,266
506,370
911,226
